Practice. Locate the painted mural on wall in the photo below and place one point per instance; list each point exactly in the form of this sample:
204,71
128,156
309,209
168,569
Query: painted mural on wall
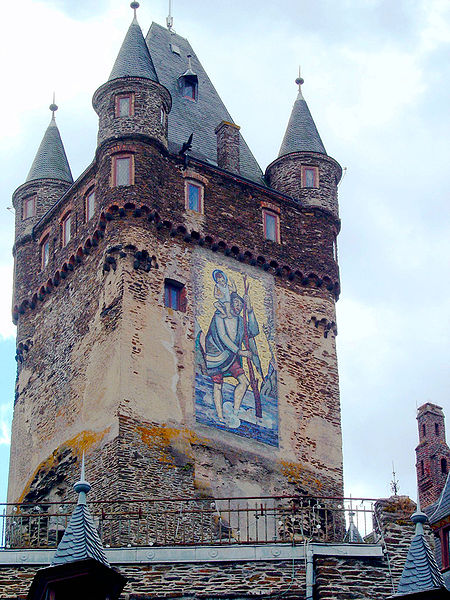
236,372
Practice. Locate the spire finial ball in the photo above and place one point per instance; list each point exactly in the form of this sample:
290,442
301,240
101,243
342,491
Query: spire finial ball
53,107
134,5
299,81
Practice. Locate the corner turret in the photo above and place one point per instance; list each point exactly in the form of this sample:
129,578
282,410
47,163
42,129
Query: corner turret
48,179
303,169
133,102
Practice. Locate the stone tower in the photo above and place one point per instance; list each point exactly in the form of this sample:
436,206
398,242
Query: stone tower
176,308
432,453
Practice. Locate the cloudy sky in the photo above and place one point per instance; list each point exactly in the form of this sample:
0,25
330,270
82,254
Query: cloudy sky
377,76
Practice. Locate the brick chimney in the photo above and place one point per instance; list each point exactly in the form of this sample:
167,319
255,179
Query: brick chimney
228,146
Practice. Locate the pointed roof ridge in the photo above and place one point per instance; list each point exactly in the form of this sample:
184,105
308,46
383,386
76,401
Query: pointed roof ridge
442,506
51,161
301,132
421,572
80,540
134,59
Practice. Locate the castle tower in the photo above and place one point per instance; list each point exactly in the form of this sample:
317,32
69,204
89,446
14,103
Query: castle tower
183,332
432,453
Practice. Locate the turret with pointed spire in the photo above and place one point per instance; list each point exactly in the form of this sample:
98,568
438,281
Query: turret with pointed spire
47,180
132,102
303,169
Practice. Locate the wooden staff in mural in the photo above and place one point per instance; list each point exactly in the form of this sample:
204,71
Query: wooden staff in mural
252,378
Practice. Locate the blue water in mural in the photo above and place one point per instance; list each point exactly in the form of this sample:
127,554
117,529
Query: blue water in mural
245,423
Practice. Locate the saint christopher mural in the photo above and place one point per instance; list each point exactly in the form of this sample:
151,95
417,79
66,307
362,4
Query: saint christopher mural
236,374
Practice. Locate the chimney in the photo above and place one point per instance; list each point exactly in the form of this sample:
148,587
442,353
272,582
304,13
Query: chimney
228,146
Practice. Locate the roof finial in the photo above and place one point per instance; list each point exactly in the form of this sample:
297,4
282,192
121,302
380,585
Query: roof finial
82,487
299,81
394,482
169,19
134,6
53,107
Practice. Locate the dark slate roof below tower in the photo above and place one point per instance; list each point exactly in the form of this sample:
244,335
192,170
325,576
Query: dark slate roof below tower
134,59
301,133
51,160
421,573
169,52
442,506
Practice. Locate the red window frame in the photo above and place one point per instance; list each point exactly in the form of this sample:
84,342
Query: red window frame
315,172
45,251
444,535
66,229
267,215
89,206
29,202
130,98
194,184
115,159
174,295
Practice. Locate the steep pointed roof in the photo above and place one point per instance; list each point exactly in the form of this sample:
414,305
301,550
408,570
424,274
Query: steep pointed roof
442,506
80,540
51,161
134,58
301,133
421,573
352,535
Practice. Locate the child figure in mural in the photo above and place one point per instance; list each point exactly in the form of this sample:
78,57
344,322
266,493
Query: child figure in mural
222,292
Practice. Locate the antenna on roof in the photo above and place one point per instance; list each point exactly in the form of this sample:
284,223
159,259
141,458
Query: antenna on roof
169,19
394,482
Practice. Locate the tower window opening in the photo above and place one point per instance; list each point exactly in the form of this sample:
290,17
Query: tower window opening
29,207
45,252
194,196
271,224
444,466
424,430
310,177
66,229
174,295
163,117
125,105
90,205
123,170
335,255
436,428
422,468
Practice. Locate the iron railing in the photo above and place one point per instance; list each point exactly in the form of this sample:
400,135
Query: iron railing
187,521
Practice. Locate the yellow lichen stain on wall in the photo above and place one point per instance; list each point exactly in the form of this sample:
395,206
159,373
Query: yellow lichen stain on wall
297,473
80,443
163,438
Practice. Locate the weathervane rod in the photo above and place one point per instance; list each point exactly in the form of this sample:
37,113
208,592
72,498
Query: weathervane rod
169,19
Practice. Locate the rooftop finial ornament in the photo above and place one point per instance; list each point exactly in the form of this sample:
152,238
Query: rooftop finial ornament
82,487
134,6
53,107
169,18
299,81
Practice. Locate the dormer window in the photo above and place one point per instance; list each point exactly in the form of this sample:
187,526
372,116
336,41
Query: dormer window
29,207
188,83
125,105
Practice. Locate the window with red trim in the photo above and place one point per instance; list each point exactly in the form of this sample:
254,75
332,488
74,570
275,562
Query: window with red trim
124,105
29,207
310,177
271,222
45,252
174,295
90,205
194,196
445,548
66,230
122,169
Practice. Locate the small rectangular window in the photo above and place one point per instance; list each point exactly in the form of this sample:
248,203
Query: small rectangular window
29,207
45,252
124,105
194,196
66,230
174,295
310,177
271,226
90,205
122,170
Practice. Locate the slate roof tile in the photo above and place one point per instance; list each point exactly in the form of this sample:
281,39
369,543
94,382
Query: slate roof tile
51,161
134,59
301,133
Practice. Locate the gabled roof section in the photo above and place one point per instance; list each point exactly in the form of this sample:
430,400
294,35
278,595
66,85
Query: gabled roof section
442,506
421,573
301,133
51,161
134,58
169,52
80,540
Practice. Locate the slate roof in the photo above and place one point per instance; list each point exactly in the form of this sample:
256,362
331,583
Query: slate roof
51,161
80,540
421,572
301,133
353,535
442,506
200,117
134,59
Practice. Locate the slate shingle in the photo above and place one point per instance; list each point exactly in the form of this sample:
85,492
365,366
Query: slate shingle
51,161
134,59
301,133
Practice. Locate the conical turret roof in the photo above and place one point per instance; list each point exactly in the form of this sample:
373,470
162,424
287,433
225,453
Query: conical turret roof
421,572
80,540
134,58
301,133
51,161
